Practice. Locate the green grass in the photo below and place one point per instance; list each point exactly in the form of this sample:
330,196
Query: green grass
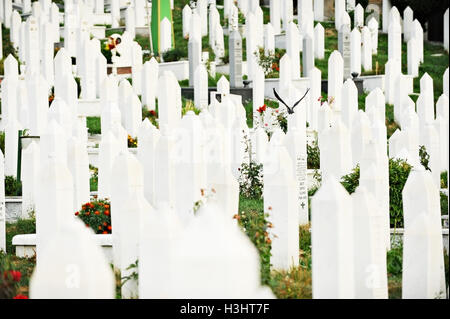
22,226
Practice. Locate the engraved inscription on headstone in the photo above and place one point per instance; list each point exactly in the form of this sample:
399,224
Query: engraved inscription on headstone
302,191
344,48
236,59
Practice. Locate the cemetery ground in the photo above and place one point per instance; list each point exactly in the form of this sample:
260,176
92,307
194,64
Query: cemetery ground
297,282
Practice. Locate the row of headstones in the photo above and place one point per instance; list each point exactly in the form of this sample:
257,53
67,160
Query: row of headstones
358,226
153,235
348,237
275,139
280,190
25,101
187,169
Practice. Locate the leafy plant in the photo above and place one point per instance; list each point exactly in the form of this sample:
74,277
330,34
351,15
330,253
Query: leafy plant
152,115
93,182
13,187
424,157
351,181
313,155
395,261
270,63
226,58
134,275
251,180
97,215
444,204
173,55
398,174
132,142
444,183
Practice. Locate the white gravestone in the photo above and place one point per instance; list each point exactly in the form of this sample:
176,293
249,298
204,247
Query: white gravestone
331,237
280,203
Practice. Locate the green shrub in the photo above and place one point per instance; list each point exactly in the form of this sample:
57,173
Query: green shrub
313,157
444,183
444,204
94,125
251,180
152,115
93,181
226,58
97,215
395,261
173,55
424,157
398,174
13,187
351,181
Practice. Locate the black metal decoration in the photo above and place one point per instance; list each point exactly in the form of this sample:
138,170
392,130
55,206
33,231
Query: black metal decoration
289,109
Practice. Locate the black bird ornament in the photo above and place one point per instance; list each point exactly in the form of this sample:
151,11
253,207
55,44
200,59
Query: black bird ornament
289,109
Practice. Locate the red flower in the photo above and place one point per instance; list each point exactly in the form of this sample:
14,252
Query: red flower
97,212
152,113
76,214
20,297
106,212
105,232
15,275
262,109
109,227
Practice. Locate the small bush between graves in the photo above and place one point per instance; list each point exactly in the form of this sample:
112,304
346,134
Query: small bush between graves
97,215
251,180
313,158
173,55
93,124
444,183
395,261
444,204
152,115
13,187
270,63
424,157
398,174
93,181
132,142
